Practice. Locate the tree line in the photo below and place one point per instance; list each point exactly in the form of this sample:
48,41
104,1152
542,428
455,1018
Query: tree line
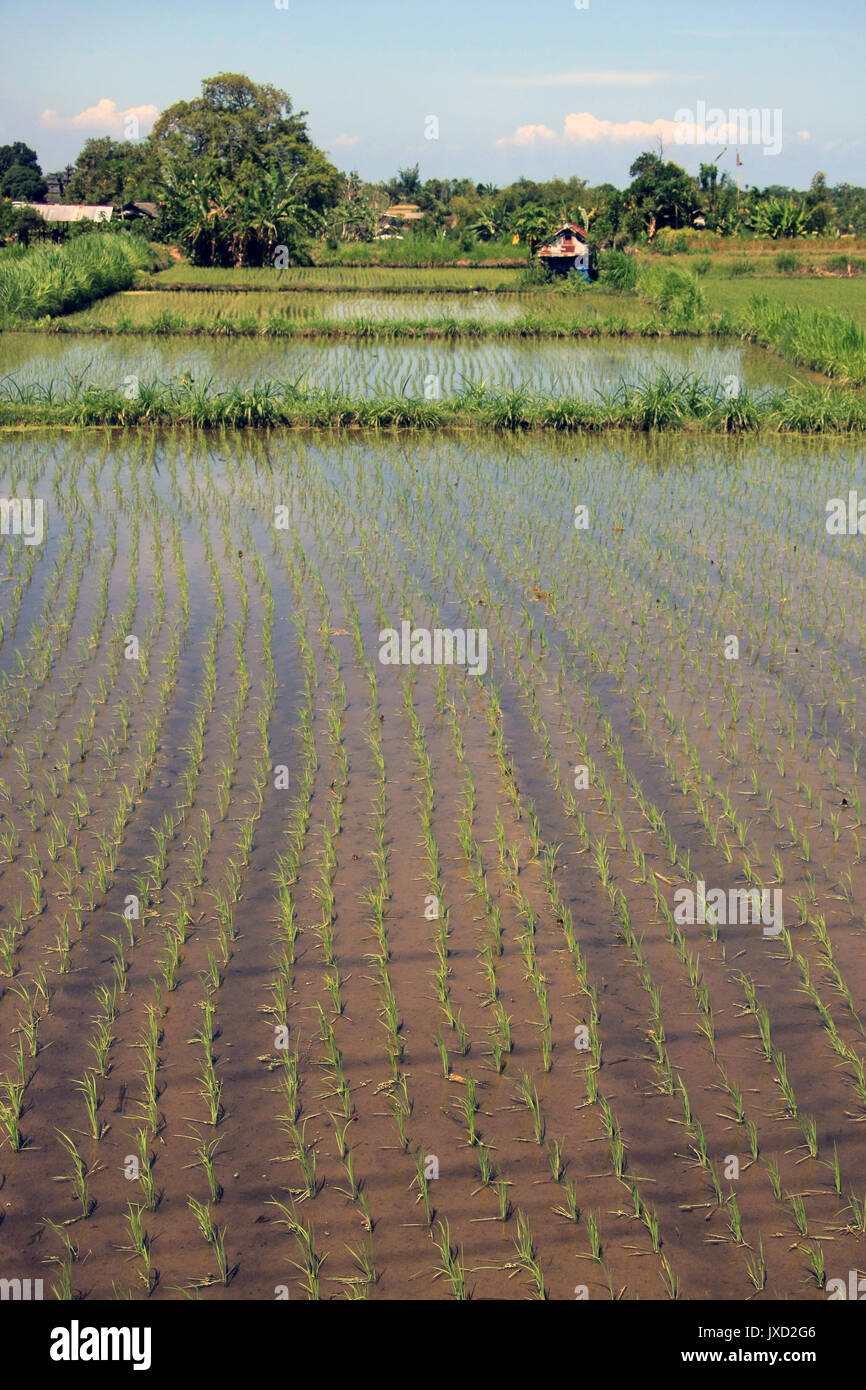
237,180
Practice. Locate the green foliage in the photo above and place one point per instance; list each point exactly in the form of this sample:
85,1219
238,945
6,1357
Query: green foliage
111,171
23,181
824,339
660,195
779,217
237,131
224,222
17,154
617,271
52,279
672,291
664,402
20,224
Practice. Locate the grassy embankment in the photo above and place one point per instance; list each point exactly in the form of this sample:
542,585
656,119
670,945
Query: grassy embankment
687,402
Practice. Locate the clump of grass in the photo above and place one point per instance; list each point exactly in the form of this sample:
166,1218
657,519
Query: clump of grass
653,403
618,271
55,279
824,339
673,292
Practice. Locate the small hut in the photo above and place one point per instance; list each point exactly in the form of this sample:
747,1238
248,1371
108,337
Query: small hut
566,250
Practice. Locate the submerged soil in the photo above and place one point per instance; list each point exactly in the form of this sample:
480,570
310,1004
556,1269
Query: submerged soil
326,922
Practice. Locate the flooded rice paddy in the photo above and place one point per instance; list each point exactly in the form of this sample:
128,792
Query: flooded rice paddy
60,365
334,968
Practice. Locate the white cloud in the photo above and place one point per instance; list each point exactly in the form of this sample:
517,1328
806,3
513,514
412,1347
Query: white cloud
105,118
345,142
583,128
529,135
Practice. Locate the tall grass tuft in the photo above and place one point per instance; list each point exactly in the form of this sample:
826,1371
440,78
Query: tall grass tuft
824,339
56,279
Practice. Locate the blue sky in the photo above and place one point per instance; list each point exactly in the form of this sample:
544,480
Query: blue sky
540,88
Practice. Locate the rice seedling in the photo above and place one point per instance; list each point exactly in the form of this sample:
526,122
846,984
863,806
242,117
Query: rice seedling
79,1174
570,1211
92,1102
452,1265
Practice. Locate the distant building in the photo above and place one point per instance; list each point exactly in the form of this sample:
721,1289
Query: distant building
70,212
132,211
396,217
566,250
57,184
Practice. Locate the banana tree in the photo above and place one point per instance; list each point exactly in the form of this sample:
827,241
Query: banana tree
779,217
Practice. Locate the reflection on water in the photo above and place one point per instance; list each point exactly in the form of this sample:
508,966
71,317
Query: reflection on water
417,368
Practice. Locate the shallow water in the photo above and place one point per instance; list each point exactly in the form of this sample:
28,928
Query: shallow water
424,369
606,644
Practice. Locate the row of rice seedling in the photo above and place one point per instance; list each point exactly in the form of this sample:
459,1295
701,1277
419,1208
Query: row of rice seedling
569,1086
420,370
266,312
603,313
492,323
324,279
154,1089
470,1111
615,1134
555,1159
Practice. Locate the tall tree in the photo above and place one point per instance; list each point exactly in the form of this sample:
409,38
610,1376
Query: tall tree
20,174
111,171
17,153
24,181
240,129
661,194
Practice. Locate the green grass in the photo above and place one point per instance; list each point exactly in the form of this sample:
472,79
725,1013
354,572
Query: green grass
666,403
732,296
264,315
823,339
56,279
415,249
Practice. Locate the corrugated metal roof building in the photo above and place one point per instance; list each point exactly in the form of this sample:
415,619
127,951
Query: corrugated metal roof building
70,212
